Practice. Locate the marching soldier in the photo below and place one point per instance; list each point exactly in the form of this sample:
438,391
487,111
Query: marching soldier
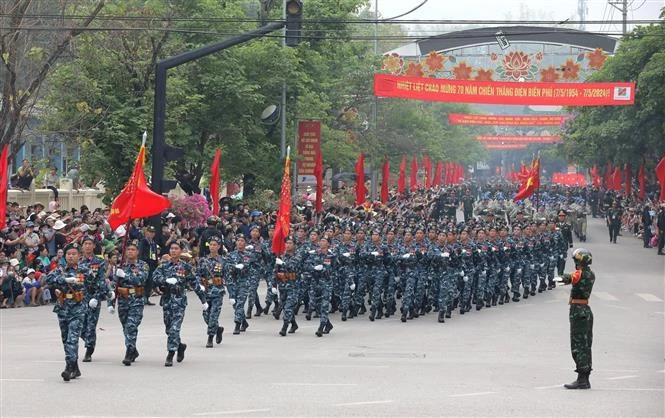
240,261
287,269
72,283
322,264
212,270
567,242
173,277
97,267
581,316
131,278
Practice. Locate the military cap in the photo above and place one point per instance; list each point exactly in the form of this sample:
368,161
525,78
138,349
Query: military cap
215,238
73,246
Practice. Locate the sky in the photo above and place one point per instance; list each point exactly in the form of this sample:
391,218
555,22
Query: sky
538,10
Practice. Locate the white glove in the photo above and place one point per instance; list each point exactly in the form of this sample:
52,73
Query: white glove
507,269
93,303
374,253
311,251
446,254
279,261
484,272
111,310
561,256
120,273
239,266
519,271
558,279
205,306
505,248
202,289
463,251
318,267
112,295
346,254
249,247
171,280
551,258
479,251
461,273
542,265
405,256
397,278
532,266
273,290
70,279
466,279
352,286
232,301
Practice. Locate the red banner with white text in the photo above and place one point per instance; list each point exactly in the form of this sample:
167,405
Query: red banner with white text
309,148
504,92
569,179
505,120
505,146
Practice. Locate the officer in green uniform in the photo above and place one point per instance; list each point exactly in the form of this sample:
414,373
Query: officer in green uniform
581,317
564,229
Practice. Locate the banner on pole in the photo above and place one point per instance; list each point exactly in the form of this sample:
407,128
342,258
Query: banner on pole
309,148
504,92
505,120
520,139
494,147
570,179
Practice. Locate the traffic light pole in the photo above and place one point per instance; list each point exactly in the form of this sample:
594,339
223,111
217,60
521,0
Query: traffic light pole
159,149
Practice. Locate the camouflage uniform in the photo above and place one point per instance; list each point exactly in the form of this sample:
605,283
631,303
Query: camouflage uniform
97,267
130,304
212,272
347,272
466,254
238,280
174,297
376,258
408,262
322,282
566,242
257,271
581,318
285,280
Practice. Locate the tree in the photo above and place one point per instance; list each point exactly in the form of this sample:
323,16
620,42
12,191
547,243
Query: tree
623,134
27,56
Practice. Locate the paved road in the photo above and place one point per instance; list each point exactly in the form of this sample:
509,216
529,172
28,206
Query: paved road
506,361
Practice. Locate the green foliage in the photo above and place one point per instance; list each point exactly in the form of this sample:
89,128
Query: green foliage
623,134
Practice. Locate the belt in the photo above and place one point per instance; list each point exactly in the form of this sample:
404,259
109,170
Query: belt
125,292
578,301
282,277
77,296
215,281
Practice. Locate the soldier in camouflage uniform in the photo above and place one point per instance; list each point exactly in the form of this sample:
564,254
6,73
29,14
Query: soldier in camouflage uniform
287,269
347,254
392,247
173,277
71,283
520,261
566,243
376,255
466,254
408,262
130,279
240,266
421,247
322,265
258,270
97,267
362,273
439,257
270,262
212,271
581,316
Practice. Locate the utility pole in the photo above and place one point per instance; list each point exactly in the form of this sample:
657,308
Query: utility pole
581,11
375,111
622,6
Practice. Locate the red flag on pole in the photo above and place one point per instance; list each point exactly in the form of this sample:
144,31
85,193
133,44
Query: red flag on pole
438,174
283,223
360,180
214,183
447,169
318,173
609,185
401,183
414,174
136,200
595,176
4,184
660,175
531,183
535,169
642,180
385,180
616,179
628,169
427,165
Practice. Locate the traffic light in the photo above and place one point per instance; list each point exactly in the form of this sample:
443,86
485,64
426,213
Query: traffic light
293,22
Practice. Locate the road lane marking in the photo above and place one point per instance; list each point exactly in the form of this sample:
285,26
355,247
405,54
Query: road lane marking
314,384
21,380
459,395
335,366
604,296
238,411
549,387
363,403
621,377
632,389
649,297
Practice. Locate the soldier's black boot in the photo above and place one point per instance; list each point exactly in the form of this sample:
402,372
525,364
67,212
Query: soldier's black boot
442,314
582,382
294,326
379,313
266,309
236,330
411,315
76,372
169,359
209,343
88,354
496,299
449,311
488,302
244,325
479,305
181,352
362,309
308,315
372,314
277,306
403,319
328,327
259,308
526,294
277,312
67,374
285,326
344,315
135,354
319,332
248,314
127,361
219,334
